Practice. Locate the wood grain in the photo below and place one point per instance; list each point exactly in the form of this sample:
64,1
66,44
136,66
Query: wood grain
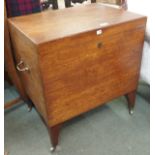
52,25
72,69
26,51
83,76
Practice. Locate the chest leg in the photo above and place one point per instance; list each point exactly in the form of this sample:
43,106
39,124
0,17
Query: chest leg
131,97
54,135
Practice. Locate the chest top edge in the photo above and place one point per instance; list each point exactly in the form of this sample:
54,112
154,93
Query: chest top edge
54,25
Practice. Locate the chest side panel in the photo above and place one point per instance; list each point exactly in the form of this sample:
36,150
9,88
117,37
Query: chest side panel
87,70
26,51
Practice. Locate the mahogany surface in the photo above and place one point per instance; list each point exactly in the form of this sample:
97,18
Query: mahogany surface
72,69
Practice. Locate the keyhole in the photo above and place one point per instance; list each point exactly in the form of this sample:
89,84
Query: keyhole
99,45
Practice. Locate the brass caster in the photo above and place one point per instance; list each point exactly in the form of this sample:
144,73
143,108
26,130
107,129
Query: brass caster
29,108
54,149
131,112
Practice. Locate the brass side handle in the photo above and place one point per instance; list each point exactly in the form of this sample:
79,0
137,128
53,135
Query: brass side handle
20,68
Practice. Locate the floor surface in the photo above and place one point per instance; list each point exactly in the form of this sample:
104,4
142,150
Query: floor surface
107,130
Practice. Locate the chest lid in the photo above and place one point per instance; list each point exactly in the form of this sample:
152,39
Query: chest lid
52,25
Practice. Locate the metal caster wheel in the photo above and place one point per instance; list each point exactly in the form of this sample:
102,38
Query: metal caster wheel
29,105
29,108
52,149
131,111
55,149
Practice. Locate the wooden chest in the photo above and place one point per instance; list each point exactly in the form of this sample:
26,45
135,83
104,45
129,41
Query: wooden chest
73,60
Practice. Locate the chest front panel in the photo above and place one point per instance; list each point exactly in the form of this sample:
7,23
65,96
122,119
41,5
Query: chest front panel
86,70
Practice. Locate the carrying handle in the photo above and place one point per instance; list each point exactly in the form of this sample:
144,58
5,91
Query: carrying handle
21,69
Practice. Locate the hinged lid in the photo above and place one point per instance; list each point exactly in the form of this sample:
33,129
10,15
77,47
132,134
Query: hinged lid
51,25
